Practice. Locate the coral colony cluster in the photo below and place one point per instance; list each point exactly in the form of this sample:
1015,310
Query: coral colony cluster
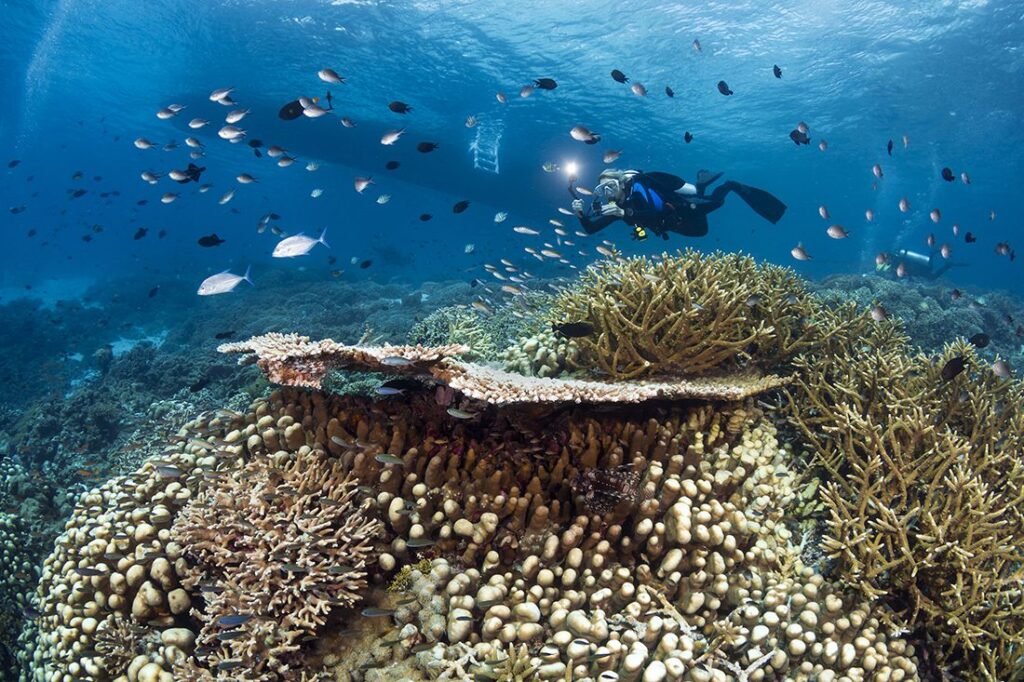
723,478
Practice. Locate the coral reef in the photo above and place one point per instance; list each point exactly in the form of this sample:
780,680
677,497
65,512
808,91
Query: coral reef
923,489
543,560
18,573
486,334
934,314
688,314
294,360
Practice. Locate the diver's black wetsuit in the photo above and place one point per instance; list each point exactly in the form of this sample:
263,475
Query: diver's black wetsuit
651,201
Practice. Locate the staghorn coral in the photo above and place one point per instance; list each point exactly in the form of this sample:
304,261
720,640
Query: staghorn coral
456,325
284,540
294,360
687,314
923,489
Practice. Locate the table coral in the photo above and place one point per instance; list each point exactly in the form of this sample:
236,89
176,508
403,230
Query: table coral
295,360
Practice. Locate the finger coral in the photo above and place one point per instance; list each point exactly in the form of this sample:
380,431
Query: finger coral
924,488
584,543
686,314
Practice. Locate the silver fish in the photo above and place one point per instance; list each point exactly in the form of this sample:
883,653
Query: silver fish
330,76
222,283
298,245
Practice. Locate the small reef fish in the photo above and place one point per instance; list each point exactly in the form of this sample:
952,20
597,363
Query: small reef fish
234,620
837,232
222,283
459,414
572,330
298,245
953,368
330,76
417,543
390,137
374,612
500,216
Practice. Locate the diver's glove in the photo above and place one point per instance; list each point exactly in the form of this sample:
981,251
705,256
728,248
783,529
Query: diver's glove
612,210
577,207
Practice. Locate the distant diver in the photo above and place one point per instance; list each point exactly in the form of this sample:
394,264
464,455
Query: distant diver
294,109
916,264
663,203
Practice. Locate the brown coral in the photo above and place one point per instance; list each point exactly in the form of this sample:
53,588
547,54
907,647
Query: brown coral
283,542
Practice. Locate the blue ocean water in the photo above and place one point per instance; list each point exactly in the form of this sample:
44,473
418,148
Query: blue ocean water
913,110
83,79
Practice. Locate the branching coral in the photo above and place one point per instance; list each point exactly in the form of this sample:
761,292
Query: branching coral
925,487
284,543
688,313
455,324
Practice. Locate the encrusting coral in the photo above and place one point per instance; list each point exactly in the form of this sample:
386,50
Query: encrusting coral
687,314
924,488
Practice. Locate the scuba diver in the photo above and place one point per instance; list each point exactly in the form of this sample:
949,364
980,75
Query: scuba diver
915,264
663,203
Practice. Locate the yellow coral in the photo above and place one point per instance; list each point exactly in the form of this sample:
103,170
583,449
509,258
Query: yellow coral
924,488
688,313
402,579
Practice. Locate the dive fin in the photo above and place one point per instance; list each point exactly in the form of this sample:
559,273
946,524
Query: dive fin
763,203
705,178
